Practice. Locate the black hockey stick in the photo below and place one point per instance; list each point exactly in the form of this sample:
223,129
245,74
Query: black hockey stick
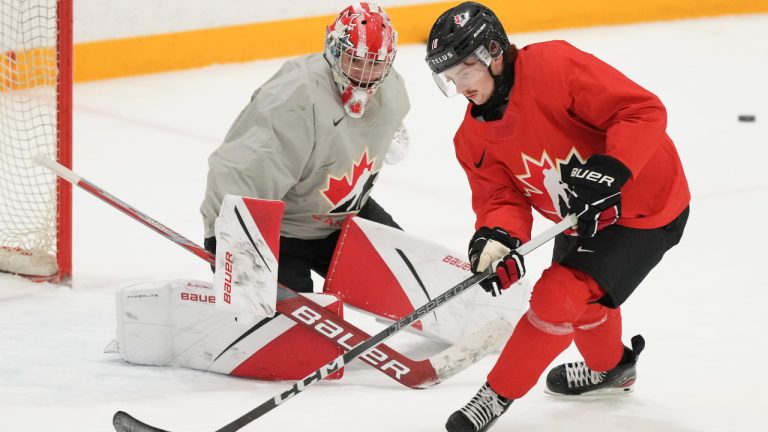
124,422
416,374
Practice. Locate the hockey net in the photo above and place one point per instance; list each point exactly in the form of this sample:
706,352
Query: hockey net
35,116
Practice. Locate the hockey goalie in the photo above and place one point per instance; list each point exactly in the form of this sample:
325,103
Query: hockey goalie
244,324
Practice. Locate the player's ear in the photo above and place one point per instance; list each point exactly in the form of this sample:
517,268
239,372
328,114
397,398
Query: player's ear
497,64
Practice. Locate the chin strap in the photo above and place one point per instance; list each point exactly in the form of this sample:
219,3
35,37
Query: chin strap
494,108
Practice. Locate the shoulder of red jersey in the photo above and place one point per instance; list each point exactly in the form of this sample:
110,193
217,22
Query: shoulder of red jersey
550,56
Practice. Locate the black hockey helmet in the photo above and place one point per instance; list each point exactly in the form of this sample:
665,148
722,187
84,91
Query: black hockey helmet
461,31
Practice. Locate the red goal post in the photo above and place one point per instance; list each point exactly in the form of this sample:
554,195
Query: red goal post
35,116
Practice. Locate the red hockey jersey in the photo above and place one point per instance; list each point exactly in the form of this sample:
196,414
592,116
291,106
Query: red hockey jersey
568,104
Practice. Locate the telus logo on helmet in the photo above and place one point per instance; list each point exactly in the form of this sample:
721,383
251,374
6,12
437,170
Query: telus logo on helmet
442,58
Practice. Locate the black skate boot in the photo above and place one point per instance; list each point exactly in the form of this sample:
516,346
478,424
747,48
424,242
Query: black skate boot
573,379
480,413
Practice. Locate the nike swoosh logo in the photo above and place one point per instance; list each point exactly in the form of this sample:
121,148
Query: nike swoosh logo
479,163
581,249
336,122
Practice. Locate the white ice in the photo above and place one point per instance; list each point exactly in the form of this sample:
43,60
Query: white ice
146,139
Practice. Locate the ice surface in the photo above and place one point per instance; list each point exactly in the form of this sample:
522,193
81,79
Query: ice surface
146,140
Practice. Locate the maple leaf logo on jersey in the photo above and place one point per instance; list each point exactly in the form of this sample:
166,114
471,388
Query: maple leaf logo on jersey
347,194
542,183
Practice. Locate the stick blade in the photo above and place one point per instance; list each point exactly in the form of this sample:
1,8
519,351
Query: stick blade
471,349
124,422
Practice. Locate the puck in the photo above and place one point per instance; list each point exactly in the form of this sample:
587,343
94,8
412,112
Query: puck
746,118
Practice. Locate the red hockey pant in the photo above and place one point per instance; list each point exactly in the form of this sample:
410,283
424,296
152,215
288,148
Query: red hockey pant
561,311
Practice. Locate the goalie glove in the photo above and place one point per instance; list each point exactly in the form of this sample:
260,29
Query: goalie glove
492,244
594,191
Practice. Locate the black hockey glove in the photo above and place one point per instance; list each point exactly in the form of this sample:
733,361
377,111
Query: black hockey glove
489,245
210,245
594,191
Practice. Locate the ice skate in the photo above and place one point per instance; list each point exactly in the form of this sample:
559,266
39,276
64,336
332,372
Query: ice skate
480,413
572,379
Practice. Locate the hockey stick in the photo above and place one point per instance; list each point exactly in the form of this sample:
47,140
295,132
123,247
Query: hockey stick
124,422
417,374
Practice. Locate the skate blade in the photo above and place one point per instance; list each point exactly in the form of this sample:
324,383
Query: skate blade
595,393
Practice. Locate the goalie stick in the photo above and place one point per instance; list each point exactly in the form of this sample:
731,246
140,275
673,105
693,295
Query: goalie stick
416,374
124,422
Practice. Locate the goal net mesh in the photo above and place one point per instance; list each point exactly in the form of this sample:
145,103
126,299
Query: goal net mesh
28,117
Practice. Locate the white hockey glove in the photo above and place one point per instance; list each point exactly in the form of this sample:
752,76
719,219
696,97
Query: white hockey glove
489,245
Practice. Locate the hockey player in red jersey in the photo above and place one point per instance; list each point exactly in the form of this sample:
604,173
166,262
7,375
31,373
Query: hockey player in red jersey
551,128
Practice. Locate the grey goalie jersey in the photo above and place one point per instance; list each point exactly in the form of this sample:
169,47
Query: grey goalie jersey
294,142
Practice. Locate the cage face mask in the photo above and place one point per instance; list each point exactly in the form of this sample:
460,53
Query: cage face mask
360,47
